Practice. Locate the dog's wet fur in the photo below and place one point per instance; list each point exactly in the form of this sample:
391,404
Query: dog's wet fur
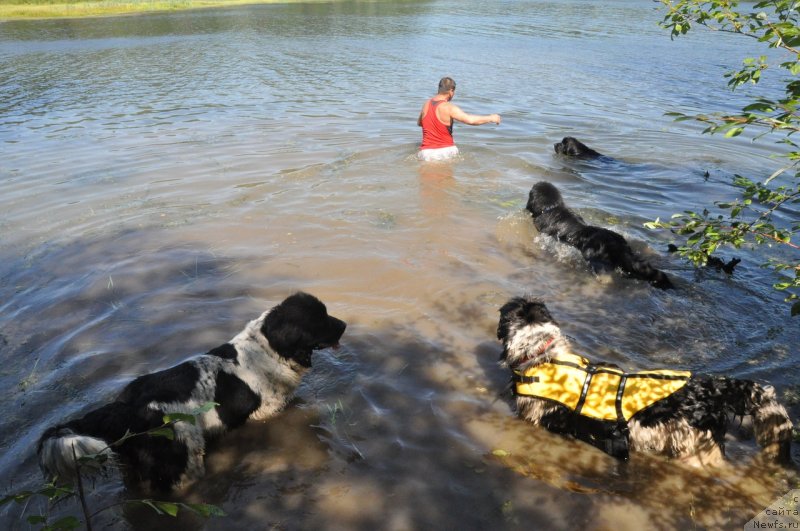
602,248
689,425
572,147
252,376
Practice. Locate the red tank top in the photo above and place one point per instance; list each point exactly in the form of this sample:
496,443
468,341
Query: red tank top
434,133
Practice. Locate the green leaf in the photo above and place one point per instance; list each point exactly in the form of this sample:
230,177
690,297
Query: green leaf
167,432
695,238
19,497
168,508
147,503
205,408
759,107
67,522
734,131
53,492
179,417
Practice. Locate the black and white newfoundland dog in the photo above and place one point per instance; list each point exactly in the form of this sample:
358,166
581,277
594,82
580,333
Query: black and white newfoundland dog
603,249
668,412
252,376
572,147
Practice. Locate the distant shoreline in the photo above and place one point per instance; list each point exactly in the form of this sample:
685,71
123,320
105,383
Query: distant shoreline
48,9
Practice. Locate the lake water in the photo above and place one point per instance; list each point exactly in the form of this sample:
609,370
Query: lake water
167,177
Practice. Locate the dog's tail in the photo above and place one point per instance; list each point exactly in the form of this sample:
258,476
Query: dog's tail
639,268
771,423
62,452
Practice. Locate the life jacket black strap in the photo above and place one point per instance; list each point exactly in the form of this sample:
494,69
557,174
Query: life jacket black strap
656,376
521,378
618,401
584,391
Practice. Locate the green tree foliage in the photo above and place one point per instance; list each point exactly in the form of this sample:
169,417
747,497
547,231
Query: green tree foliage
750,219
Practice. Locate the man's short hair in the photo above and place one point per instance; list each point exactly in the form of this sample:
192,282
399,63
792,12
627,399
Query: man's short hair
446,84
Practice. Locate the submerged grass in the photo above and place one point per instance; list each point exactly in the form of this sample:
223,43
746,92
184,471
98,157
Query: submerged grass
22,9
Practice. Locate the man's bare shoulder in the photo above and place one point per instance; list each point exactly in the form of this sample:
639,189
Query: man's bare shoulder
455,111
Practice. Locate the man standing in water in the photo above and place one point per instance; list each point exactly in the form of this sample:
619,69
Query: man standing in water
436,120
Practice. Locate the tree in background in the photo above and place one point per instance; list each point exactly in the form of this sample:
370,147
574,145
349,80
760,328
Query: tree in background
751,218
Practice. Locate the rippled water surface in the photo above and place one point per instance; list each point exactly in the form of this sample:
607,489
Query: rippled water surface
167,177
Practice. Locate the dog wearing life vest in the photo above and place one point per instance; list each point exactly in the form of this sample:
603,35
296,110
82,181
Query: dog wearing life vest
603,249
252,376
672,413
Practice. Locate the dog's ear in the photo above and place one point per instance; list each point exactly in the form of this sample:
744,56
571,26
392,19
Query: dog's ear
576,148
502,329
639,268
508,314
299,325
286,330
288,339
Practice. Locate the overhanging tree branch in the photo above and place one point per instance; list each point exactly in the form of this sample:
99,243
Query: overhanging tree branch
774,23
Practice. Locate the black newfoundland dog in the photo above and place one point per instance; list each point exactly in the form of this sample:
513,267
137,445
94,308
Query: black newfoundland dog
668,412
252,376
604,249
572,147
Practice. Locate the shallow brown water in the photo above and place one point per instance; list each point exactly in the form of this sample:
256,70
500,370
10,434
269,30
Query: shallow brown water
166,178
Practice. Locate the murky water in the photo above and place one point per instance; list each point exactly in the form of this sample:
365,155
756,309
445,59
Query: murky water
167,177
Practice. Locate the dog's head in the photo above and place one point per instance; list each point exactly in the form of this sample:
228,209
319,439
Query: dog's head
525,328
300,325
572,147
542,198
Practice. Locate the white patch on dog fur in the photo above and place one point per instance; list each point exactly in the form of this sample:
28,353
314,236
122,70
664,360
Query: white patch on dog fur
526,342
773,429
58,454
676,439
272,377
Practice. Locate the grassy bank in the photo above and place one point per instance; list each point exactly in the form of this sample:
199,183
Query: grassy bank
21,9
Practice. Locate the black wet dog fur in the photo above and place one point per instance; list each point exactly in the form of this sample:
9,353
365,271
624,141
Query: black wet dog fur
572,147
602,248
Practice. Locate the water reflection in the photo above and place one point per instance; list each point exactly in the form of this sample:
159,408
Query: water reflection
436,184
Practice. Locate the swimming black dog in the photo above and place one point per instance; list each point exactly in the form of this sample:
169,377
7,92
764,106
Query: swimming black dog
252,376
572,147
604,249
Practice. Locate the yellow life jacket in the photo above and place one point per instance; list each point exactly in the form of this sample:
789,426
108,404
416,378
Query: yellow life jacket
597,391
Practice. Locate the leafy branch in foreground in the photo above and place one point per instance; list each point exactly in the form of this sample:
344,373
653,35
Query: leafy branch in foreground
762,214
56,493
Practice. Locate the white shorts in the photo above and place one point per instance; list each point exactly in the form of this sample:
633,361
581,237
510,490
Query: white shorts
444,153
